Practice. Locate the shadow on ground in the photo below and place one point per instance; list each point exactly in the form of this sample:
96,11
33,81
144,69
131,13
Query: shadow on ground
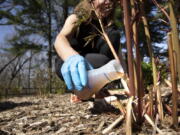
6,105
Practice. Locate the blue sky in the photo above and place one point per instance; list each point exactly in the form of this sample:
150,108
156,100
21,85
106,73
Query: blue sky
5,31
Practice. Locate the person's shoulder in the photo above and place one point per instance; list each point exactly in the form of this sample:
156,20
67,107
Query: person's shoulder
70,25
72,18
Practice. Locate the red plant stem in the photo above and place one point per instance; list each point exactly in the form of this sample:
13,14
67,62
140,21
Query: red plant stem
129,46
140,92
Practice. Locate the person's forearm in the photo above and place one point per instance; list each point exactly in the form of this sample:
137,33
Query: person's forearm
63,48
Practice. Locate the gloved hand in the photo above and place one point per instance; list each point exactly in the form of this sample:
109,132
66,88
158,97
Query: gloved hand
74,71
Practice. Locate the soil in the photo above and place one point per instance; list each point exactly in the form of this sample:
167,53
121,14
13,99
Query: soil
55,115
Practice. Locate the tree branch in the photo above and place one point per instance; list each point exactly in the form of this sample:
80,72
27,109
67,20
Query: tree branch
7,64
162,9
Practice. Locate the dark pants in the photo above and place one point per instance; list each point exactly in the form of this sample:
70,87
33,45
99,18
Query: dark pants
95,59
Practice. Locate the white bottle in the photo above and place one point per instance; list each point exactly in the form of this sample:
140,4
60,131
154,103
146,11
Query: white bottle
98,78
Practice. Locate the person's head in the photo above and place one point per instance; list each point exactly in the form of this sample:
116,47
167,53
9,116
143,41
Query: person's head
104,9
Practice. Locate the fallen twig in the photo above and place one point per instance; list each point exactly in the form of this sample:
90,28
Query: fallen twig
113,125
152,124
146,108
114,99
156,121
120,106
124,83
170,85
100,126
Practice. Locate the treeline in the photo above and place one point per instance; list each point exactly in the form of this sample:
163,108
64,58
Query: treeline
27,56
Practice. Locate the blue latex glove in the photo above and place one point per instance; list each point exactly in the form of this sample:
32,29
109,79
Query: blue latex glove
74,71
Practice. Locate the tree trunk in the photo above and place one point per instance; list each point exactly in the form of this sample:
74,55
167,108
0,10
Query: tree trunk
29,74
49,11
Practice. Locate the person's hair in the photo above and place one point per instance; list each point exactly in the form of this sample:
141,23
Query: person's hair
85,12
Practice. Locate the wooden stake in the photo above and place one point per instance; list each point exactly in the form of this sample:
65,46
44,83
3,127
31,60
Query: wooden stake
175,34
159,103
174,81
129,117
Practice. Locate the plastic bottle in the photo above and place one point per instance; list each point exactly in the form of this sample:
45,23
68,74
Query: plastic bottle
98,78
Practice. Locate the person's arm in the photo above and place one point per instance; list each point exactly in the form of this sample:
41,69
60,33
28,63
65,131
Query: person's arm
75,67
62,45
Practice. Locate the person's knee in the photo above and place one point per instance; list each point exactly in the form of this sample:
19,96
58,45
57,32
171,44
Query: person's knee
97,60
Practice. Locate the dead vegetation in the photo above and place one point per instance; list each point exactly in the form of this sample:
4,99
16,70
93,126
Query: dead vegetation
54,114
